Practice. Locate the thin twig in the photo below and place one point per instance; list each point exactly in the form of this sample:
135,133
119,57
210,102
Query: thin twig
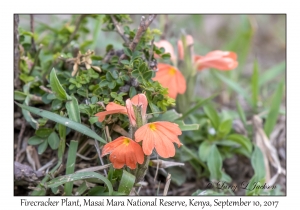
86,158
20,139
120,130
119,30
47,165
45,89
144,24
17,82
33,48
98,152
156,172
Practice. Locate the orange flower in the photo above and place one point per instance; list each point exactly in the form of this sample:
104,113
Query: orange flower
124,151
171,78
111,108
222,60
159,135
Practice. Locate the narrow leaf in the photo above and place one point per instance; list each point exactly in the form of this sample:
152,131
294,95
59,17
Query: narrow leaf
53,140
204,150
73,109
234,86
214,163
57,87
255,85
212,115
65,121
197,106
126,183
186,127
71,165
274,110
79,176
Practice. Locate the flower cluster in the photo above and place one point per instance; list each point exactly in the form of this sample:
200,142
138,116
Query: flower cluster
170,77
156,135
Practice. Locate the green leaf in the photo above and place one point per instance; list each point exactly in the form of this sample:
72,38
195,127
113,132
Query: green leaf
204,150
212,115
126,183
188,127
242,140
19,96
56,104
35,140
71,165
53,140
270,74
65,121
127,51
79,176
43,132
42,147
73,109
112,85
154,109
93,120
28,116
81,189
96,191
241,114
170,115
132,92
214,163
56,86
258,164
225,127
255,85
62,131
197,106
148,75
234,86
274,109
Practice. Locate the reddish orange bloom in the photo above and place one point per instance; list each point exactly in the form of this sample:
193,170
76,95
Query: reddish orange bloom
159,135
222,60
171,78
124,151
111,108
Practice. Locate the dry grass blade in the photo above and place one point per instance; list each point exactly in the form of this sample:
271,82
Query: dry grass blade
168,181
164,164
96,168
268,150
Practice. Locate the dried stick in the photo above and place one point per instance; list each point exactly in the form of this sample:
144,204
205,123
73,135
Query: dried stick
144,24
17,82
119,30
98,152
168,180
45,89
